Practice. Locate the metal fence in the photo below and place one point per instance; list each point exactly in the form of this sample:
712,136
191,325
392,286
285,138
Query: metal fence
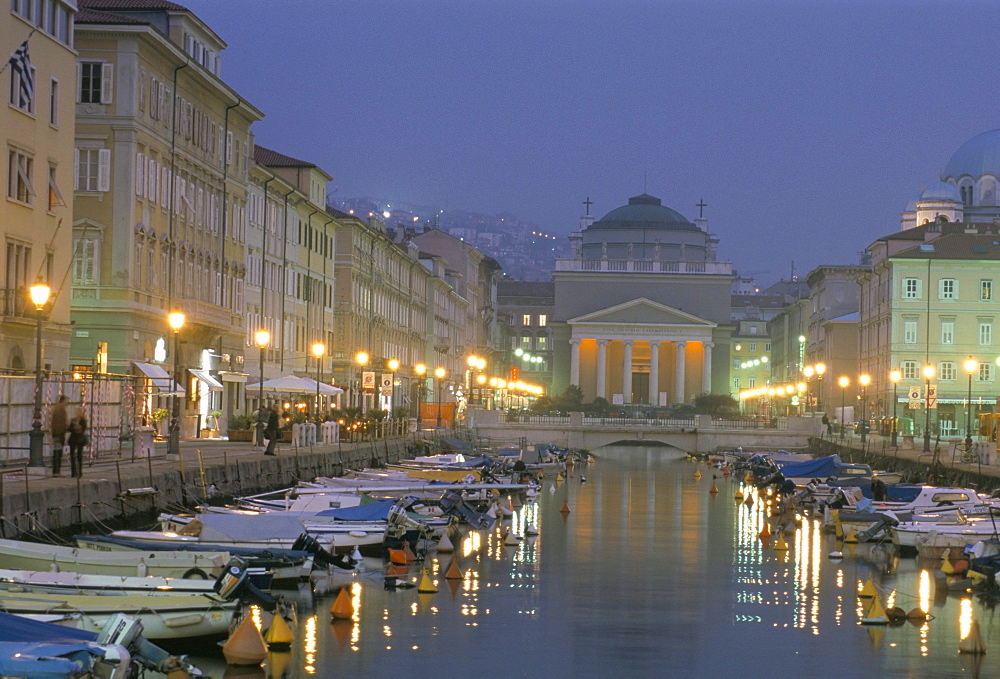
779,423
108,402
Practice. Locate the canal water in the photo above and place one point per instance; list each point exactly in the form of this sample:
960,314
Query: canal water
648,575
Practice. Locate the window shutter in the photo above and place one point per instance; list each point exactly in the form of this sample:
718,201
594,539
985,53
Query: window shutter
107,83
76,169
229,148
104,170
140,174
79,81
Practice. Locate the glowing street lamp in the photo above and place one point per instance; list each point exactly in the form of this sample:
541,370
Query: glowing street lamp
318,350
39,295
439,374
820,369
894,377
843,382
421,371
263,338
970,367
361,358
393,366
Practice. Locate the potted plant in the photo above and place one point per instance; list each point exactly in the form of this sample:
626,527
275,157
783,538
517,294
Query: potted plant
241,428
159,418
213,423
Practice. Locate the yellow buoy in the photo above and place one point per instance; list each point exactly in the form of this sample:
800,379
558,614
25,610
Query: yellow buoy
245,645
868,590
343,607
277,663
973,643
279,634
780,545
426,586
697,474
445,545
454,572
975,576
838,527
739,495
748,477
946,566
851,538
875,615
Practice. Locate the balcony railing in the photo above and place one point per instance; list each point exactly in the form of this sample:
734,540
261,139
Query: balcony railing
644,266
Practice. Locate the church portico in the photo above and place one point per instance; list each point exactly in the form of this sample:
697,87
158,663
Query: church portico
642,352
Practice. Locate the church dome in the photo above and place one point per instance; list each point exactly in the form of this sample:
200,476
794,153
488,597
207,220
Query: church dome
940,191
976,157
644,212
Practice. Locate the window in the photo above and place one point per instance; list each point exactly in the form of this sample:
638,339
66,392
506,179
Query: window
947,332
55,195
22,88
19,169
736,383
909,370
985,333
542,343
753,346
526,342
753,329
85,261
986,290
948,288
54,102
985,372
751,382
909,331
93,170
526,319
911,288
736,364
543,320
946,370
95,82
767,347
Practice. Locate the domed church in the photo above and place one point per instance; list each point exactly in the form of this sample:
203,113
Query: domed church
642,308
967,190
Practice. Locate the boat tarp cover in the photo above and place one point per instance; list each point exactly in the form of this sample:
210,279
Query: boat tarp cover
244,527
456,445
820,468
374,511
30,648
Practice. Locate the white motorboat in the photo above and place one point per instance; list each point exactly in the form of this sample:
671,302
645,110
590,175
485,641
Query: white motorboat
34,556
957,524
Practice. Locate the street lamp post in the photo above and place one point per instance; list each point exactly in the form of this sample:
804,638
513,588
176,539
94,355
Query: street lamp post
864,381
843,382
318,349
808,371
362,360
176,320
928,375
439,375
393,367
970,366
820,369
39,294
263,337
421,370
894,376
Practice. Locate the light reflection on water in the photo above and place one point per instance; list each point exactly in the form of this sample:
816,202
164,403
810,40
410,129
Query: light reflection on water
648,573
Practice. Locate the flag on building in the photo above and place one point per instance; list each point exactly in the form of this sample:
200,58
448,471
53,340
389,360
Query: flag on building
21,64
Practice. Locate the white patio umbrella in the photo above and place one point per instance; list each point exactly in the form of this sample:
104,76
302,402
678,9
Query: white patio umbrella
293,384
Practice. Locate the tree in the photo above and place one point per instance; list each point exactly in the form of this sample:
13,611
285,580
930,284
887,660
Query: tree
717,404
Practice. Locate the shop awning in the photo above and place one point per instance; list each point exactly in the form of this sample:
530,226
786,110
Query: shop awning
207,379
159,377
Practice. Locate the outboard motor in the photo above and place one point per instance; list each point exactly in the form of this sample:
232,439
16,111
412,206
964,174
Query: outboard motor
235,584
452,503
321,557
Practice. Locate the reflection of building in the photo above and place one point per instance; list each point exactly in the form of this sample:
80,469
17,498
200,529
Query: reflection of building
35,216
642,309
163,150
931,295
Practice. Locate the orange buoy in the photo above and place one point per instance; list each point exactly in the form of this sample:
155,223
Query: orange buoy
279,635
397,556
749,500
725,472
245,645
410,556
343,607
565,508
397,570
713,490
454,572
765,532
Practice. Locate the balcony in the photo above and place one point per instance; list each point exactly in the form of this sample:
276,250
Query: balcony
644,266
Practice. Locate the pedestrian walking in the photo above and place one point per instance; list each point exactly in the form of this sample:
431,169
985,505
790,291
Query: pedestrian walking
271,432
58,424
78,438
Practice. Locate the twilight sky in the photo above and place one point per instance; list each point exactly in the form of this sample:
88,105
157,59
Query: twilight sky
806,126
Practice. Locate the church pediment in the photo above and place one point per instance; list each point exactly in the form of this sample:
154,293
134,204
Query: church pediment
641,311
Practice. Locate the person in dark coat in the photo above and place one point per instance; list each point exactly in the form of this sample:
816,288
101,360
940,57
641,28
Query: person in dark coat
271,431
879,491
58,424
77,440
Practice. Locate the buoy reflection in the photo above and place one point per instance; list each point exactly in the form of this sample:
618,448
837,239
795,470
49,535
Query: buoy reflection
309,645
964,619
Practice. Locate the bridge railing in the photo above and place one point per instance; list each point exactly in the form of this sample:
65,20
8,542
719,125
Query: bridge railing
777,424
774,424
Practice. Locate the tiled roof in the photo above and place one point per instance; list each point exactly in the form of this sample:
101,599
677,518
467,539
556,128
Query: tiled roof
265,156
93,16
510,288
968,246
125,5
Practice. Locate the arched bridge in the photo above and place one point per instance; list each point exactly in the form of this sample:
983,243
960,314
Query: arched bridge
699,435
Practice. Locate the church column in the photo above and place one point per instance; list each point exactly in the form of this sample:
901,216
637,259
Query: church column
679,372
627,372
654,373
574,362
706,369
602,368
